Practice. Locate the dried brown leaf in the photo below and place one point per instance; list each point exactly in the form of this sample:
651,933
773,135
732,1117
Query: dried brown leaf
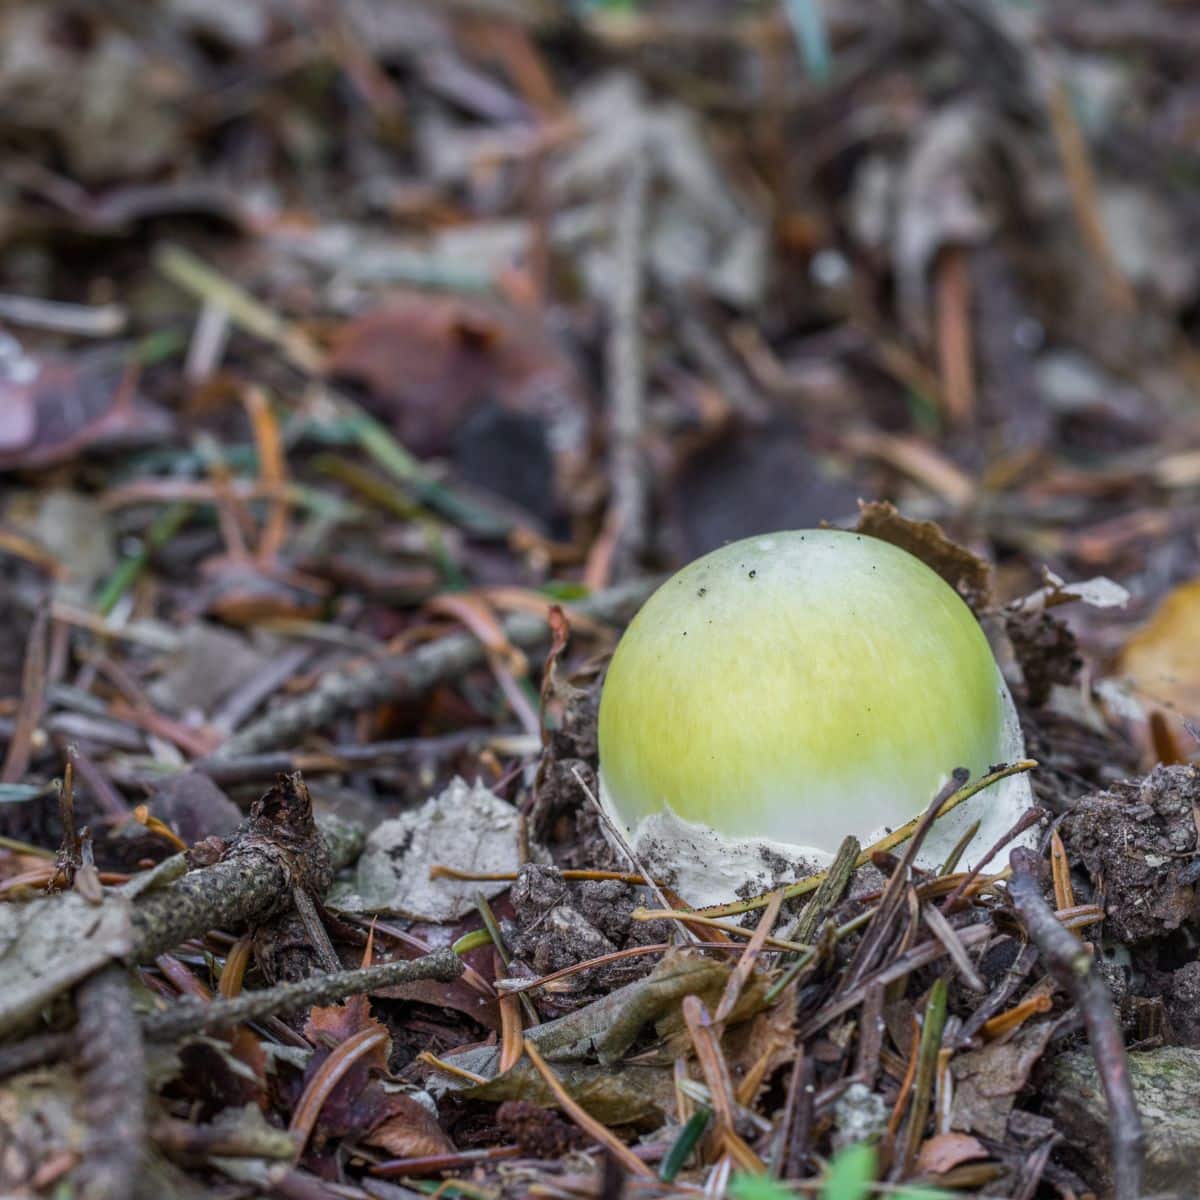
409,1130
946,1150
967,573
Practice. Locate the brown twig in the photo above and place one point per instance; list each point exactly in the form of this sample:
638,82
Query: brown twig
1071,965
249,884
599,1133
409,675
629,509
195,1016
33,691
113,1061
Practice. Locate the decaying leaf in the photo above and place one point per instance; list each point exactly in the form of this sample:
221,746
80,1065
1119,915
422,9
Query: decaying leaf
946,196
49,943
208,664
703,232
194,807
472,381
967,573
409,1131
361,1101
945,1151
68,407
216,1073
987,1081
616,1095
73,530
465,827
608,1026
656,998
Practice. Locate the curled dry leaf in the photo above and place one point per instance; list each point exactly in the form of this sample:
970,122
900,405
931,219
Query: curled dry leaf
967,573
947,1150
618,1095
351,1095
409,1131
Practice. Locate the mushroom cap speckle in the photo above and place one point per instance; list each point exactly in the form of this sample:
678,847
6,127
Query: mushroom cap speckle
797,687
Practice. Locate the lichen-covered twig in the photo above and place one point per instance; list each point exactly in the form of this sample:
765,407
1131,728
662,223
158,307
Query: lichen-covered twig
201,1016
407,676
282,849
1071,965
113,1062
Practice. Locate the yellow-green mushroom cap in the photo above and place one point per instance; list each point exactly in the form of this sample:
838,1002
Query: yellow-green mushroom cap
790,689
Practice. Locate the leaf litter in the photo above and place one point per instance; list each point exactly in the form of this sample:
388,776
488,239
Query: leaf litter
346,366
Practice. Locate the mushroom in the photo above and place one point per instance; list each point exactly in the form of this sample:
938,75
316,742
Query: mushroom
790,689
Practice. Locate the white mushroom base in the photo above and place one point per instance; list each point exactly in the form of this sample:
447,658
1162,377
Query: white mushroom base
705,868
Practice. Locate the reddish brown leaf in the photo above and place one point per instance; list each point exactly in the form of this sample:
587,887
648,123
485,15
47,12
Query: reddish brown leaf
409,1130
945,1151
469,379
53,410
338,1022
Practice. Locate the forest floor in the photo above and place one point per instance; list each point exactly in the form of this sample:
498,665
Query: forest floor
362,368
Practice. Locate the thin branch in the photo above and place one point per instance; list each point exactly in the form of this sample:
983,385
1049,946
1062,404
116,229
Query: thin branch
629,509
194,1016
1068,961
407,676
112,1058
248,885
599,1133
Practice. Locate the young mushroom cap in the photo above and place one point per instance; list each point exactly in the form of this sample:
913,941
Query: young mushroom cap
790,689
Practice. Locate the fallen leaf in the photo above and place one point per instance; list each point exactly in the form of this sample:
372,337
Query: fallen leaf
945,196
215,1073
49,943
357,1100
194,807
967,573
620,1095
946,1150
987,1081
465,827
73,530
702,231
57,409
1161,661
409,1131
208,664
335,1023
466,379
